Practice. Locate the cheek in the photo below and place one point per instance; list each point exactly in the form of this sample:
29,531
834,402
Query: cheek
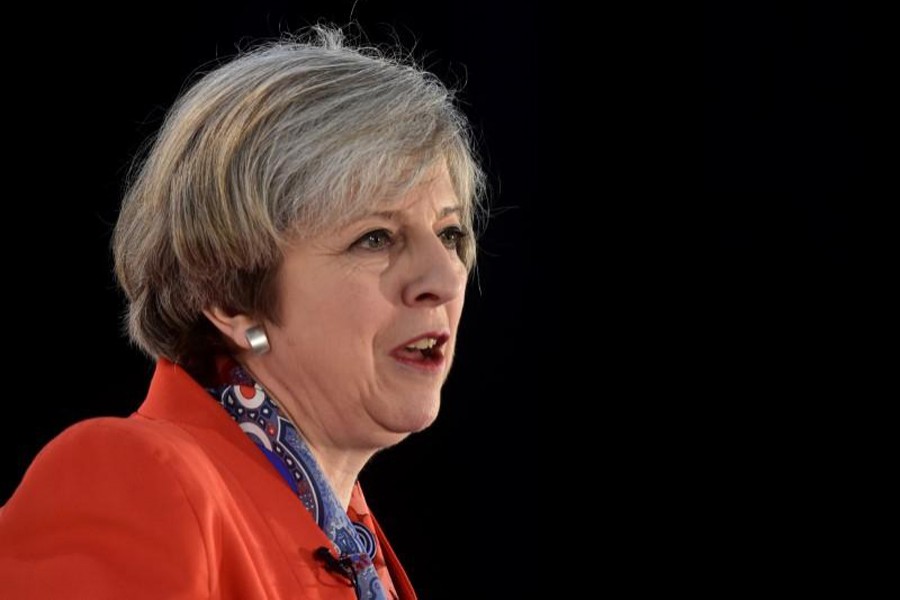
456,312
349,319
457,304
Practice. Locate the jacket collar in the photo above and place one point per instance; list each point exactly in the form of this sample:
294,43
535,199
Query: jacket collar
176,397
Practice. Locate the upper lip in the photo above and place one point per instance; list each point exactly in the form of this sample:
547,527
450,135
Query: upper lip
440,338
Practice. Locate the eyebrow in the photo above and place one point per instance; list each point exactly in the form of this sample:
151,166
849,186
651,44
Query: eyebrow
390,215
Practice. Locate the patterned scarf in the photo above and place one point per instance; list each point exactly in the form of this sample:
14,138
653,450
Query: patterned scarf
354,553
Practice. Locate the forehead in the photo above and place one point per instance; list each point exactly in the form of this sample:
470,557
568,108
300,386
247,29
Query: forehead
432,186
434,191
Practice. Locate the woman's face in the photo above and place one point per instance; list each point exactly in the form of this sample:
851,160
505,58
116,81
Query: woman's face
369,315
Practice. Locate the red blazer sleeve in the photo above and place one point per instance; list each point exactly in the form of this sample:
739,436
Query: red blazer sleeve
104,512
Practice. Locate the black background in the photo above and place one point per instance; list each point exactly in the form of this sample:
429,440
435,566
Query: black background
790,231
684,197
784,306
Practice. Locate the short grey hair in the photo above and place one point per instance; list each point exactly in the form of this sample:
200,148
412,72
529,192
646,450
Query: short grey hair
285,140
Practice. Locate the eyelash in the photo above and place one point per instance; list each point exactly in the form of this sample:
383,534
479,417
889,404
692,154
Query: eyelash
379,239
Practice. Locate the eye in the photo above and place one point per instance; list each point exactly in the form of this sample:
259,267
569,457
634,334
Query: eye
452,236
377,239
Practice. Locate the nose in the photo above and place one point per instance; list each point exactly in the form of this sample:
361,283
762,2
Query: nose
435,274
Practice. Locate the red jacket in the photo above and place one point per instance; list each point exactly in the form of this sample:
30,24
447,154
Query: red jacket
172,502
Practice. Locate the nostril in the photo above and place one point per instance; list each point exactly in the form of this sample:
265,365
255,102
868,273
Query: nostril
427,297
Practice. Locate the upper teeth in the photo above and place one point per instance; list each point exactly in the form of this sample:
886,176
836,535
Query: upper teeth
423,344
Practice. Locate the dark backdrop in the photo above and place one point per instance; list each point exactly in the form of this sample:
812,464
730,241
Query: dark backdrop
88,85
788,221
783,306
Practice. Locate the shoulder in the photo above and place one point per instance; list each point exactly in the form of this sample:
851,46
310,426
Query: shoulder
109,446
105,460
108,469
136,432
146,438
118,491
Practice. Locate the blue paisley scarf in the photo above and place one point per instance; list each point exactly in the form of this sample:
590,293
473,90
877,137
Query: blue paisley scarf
354,545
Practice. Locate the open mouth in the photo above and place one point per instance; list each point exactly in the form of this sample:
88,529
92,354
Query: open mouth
425,350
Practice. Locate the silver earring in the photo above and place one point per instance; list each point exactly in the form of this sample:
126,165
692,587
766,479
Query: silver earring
259,342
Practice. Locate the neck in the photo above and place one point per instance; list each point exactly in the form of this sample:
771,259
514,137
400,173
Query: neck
341,468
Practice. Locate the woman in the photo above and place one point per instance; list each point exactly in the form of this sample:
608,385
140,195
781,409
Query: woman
294,251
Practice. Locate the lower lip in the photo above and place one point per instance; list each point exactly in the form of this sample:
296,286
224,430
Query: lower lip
422,366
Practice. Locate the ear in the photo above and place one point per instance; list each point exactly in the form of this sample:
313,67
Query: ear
233,326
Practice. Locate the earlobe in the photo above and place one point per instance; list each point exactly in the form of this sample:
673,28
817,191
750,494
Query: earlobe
235,327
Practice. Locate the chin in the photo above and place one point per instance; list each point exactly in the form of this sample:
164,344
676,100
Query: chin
415,418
